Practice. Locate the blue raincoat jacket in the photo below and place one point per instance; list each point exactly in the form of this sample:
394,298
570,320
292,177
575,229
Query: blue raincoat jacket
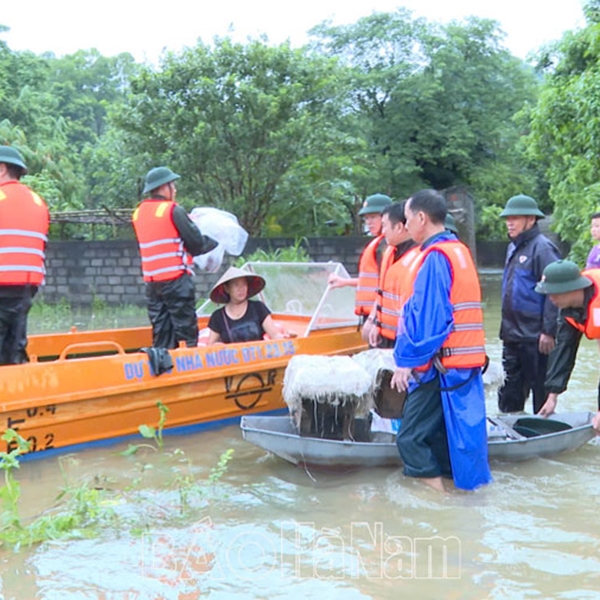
427,321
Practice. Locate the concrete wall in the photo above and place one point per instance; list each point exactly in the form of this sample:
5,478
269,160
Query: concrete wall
110,270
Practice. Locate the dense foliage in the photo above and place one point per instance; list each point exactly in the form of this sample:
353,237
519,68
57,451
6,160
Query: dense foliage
564,130
292,140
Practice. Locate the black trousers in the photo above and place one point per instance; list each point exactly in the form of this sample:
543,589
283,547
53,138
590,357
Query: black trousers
13,324
172,312
422,440
525,371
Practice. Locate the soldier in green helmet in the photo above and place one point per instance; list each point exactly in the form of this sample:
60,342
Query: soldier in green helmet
369,262
24,220
577,295
528,325
168,239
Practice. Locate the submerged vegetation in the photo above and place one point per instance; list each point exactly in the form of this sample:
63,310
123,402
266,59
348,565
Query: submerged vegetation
91,507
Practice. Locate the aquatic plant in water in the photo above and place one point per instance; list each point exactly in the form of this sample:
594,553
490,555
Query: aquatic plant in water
10,492
88,509
81,517
185,480
151,433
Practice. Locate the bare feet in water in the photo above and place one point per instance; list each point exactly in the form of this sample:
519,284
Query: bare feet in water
436,483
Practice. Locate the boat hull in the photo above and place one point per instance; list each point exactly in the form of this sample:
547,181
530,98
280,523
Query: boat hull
279,436
92,390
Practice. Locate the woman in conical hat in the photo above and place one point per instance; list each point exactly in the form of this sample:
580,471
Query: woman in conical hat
241,319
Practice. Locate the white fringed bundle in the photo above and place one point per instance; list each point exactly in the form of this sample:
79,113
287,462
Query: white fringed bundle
375,361
494,375
335,380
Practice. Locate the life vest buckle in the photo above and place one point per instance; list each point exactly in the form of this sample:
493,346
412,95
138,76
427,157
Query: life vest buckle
437,362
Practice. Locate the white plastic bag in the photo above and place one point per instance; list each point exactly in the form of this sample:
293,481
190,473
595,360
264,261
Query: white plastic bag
223,227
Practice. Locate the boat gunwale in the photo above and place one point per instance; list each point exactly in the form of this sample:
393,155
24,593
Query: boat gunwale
297,454
165,380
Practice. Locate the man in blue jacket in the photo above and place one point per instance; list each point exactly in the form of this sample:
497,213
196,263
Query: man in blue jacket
439,353
528,326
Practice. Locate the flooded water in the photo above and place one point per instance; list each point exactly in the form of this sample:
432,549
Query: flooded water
266,529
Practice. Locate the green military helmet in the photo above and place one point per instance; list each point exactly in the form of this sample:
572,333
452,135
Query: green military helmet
450,223
522,206
11,156
375,204
157,177
561,276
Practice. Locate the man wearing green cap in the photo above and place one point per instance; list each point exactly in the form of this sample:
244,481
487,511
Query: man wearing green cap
577,295
381,326
24,220
168,239
528,324
369,263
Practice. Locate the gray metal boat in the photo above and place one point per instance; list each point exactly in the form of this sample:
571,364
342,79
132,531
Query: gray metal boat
510,438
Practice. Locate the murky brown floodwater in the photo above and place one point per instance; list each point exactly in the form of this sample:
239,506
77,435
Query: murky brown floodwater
269,530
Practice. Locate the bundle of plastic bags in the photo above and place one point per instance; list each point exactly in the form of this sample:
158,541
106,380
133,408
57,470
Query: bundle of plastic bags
223,227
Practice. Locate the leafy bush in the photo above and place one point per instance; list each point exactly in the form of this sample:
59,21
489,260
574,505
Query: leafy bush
295,253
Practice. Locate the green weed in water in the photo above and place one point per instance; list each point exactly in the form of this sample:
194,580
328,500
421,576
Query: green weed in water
189,487
11,490
217,472
83,509
151,433
81,516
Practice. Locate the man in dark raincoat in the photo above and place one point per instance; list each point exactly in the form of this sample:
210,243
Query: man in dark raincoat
528,323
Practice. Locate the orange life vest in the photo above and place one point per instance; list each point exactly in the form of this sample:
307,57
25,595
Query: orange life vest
464,348
24,222
591,328
163,254
391,292
368,275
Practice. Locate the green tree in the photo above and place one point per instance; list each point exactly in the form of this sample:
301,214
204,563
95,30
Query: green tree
564,131
88,87
382,52
31,122
113,171
85,85
246,126
55,110
434,103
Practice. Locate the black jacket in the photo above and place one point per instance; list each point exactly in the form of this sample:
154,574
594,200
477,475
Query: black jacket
193,240
562,359
525,313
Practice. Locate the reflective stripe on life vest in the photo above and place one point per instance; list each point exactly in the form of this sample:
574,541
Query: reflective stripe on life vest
162,250
391,293
368,277
465,346
591,328
23,236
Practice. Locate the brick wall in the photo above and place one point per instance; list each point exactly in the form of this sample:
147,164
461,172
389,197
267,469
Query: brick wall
110,270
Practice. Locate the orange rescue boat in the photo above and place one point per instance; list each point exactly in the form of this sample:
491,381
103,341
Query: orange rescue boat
91,387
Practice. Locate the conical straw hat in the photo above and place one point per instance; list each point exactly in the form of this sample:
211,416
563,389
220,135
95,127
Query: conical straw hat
219,295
